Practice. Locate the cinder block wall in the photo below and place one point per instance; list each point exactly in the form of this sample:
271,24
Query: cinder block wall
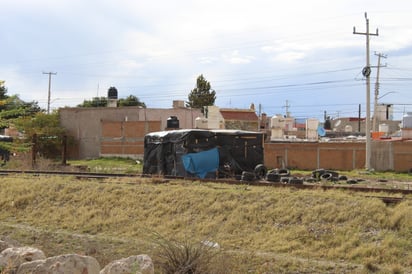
84,125
309,156
385,156
125,138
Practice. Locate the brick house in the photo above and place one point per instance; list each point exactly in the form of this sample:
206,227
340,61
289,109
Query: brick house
118,131
229,118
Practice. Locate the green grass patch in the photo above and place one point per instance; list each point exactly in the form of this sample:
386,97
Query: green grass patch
109,165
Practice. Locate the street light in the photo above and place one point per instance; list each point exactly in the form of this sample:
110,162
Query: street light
386,94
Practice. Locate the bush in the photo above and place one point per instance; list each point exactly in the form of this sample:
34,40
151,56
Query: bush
184,257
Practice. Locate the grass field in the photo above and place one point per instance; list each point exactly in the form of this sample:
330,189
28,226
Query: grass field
258,229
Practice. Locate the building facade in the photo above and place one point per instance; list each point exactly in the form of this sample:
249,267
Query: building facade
118,131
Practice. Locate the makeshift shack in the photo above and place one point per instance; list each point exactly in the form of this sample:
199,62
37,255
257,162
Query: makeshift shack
202,153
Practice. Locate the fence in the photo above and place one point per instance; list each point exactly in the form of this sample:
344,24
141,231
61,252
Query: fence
385,156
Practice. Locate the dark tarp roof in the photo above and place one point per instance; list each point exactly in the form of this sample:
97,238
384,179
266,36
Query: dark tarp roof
238,150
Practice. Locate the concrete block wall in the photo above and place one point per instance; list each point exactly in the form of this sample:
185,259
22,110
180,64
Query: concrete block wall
85,126
385,155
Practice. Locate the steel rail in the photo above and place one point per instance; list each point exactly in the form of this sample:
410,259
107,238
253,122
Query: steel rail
165,179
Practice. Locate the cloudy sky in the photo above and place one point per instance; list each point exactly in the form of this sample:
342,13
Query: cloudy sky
296,53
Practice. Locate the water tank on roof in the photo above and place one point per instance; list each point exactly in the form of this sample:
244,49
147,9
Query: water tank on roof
384,128
112,93
172,122
312,123
348,128
201,122
277,121
407,120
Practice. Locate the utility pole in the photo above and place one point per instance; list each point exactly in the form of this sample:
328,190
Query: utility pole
375,104
287,108
366,72
49,93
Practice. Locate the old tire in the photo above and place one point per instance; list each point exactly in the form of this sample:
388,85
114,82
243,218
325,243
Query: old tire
326,176
295,181
247,176
283,172
260,171
273,177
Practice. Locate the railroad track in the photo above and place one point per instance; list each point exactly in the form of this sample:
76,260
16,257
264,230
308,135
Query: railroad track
312,186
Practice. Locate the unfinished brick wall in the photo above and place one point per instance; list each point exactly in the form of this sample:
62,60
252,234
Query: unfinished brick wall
309,156
385,156
125,138
402,156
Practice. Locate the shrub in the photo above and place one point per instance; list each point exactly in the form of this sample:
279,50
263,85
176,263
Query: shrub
183,257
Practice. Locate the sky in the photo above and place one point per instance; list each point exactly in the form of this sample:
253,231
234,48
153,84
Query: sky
296,56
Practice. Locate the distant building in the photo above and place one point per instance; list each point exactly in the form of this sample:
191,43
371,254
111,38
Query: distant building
119,131
350,125
228,118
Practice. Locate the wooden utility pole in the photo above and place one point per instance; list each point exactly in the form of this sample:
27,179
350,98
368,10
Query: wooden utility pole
49,92
366,73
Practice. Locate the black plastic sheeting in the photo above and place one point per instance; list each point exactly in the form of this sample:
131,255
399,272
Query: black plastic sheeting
5,138
238,150
4,153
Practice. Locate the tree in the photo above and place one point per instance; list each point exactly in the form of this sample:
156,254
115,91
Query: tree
131,100
202,95
12,107
94,102
48,130
3,91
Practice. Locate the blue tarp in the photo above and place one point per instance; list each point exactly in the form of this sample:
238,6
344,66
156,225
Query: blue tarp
201,163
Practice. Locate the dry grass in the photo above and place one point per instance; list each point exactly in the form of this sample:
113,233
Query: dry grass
259,229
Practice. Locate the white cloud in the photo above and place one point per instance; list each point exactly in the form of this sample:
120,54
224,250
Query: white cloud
288,57
236,58
208,60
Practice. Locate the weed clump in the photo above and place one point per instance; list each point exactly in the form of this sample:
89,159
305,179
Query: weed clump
186,256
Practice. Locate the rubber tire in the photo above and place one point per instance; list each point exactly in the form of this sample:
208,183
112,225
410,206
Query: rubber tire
273,171
317,173
284,180
260,171
326,176
284,172
295,181
342,178
273,177
248,176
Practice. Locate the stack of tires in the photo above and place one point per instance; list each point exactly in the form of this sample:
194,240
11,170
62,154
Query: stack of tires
282,175
259,173
327,175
